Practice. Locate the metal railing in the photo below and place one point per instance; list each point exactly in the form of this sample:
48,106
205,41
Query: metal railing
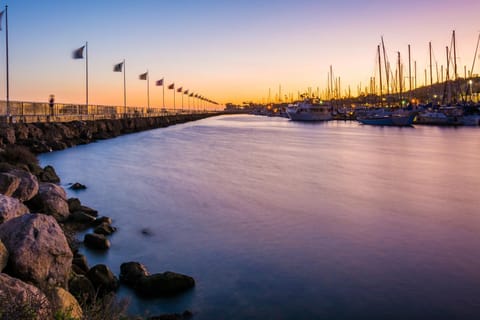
30,112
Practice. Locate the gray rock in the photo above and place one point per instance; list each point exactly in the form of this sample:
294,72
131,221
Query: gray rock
102,279
96,241
8,183
20,299
11,208
28,186
51,199
39,252
3,256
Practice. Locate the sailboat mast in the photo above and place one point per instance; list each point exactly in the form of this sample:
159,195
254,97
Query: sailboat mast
400,76
431,73
380,73
409,70
475,56
454,56
386,68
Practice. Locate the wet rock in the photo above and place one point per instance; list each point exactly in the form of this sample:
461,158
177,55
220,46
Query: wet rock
65,303
81,288
187,314
102,220
51,199
48,174
96,241
39,252
104,229
132,272
3,256
82,217
80,261
78,186
8,183
102,279
164,284
146,232
28,186
20,299
74,204
11,208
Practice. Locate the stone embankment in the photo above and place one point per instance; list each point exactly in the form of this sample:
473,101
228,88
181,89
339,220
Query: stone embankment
42,273
49,136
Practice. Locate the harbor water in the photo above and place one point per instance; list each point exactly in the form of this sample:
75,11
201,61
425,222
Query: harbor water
282,220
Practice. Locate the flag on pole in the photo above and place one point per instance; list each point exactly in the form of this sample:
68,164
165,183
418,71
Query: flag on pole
159,82
172,86
78,53
1,17
118,67
143,76
179,89
185,92
191,94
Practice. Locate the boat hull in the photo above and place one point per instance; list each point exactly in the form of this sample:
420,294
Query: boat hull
308,116
390,120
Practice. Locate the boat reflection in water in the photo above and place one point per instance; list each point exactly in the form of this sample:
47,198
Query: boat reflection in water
309,110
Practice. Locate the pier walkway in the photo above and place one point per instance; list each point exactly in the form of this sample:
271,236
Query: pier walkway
34,112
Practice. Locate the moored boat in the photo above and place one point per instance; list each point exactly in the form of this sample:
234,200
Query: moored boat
388,118
309,110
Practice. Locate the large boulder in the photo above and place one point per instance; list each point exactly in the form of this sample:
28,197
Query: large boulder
65,303
164,284
51,199
11,208
8,183
39,252
28,186
102,279
19,300
3,256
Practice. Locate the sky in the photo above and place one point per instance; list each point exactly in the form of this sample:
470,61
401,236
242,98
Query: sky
227,51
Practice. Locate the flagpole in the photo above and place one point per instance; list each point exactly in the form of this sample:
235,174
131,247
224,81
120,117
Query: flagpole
124,91
182,101
86,71
148,90
6,60
163,93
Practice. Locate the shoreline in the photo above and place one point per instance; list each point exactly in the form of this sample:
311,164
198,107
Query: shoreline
78,289
51,136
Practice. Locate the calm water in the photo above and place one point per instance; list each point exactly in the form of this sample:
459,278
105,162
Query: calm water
283,220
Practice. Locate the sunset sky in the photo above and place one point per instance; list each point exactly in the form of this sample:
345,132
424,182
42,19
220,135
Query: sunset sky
228,51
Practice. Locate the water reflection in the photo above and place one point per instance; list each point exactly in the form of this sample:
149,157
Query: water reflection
283,220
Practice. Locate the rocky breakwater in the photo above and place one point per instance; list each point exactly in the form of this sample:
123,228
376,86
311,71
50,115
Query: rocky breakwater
42,273
45,137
